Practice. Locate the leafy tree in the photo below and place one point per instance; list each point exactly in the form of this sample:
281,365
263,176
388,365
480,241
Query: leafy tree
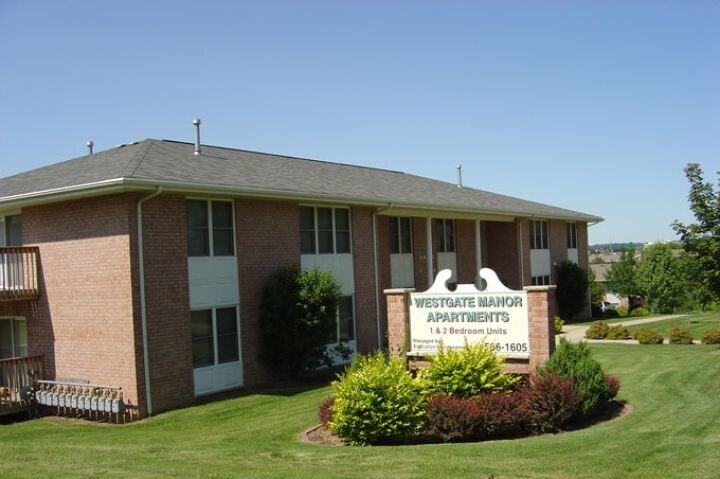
297,316
597,291
572,290
621,275
661,279
702,239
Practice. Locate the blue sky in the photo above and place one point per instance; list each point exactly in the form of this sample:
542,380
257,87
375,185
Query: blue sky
594,106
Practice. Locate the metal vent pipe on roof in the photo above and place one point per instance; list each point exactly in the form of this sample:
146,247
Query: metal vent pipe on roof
196,122
89,145
459,176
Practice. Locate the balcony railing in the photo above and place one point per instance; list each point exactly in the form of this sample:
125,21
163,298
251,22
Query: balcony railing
16,374
18,273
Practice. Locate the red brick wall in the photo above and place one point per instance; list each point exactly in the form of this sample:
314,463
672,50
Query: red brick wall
420,254
85,325
268,238
167,304
557,237
465,251
582,239
366,325
501,249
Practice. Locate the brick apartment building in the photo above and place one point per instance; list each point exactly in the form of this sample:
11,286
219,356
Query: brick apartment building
142,266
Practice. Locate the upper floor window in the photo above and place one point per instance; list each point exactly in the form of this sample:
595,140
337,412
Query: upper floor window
13,338
324,230
572,235
210,228
538,234
445,235
11,230
400,236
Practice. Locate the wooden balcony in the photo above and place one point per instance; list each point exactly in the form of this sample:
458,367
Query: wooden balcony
19,273
15,374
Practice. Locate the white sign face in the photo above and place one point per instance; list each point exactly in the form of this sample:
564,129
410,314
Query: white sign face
496,315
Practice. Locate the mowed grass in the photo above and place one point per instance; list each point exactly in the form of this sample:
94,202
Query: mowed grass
674,431
695,323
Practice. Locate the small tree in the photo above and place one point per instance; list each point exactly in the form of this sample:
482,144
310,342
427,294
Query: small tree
597,290
572,290
661,278
702,239
297,316
621,275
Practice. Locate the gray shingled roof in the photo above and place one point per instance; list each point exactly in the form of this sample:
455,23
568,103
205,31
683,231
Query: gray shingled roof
173,163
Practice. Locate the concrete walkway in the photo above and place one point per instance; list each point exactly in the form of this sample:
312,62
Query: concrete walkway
576,332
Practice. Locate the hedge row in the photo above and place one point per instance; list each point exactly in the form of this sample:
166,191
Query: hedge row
463,395
601,330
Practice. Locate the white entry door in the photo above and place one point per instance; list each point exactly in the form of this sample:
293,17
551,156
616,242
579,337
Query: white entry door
216,350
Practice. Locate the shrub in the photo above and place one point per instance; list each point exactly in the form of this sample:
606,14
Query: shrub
640,312
558,324
611,313
466,372
325,412
450,418
618,332
647,336
680,336
549,401
597,330
711,336
622,312
501,414
572,289
297,315
613,386
376,400
575,361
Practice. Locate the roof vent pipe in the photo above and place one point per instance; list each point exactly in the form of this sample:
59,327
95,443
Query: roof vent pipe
89,145
459,176
196,122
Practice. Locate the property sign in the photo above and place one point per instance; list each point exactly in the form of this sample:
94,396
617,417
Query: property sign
499,317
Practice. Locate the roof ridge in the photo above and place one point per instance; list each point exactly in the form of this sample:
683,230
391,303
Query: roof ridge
146,145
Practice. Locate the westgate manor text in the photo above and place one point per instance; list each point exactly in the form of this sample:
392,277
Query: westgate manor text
441,308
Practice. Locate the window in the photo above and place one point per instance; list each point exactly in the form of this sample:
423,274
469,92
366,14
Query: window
13,338
210,228
540,280
345,321
445,235
11,230
324,230
538,235
572,235
400,235
214,335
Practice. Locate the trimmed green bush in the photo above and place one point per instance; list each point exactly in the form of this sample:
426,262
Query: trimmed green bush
575,361
622,312
639,312
610,314
711,336
376,401
647,336
618,332
680,336
597,330
466,372
558,324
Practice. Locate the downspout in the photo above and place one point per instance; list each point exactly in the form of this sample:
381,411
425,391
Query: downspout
377,284
522,255
429,251
143,312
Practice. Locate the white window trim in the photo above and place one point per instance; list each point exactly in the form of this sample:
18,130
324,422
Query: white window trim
444,233
12,320
571,234
396,219
211,246
213,316
537,235
334,229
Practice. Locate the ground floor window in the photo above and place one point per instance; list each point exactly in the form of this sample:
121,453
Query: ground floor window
215,338
345,321
543,280
13,338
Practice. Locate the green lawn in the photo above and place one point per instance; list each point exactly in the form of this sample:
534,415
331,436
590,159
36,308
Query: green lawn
673,432
696,323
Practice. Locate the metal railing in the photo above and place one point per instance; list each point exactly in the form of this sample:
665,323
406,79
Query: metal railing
15,375
19,273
